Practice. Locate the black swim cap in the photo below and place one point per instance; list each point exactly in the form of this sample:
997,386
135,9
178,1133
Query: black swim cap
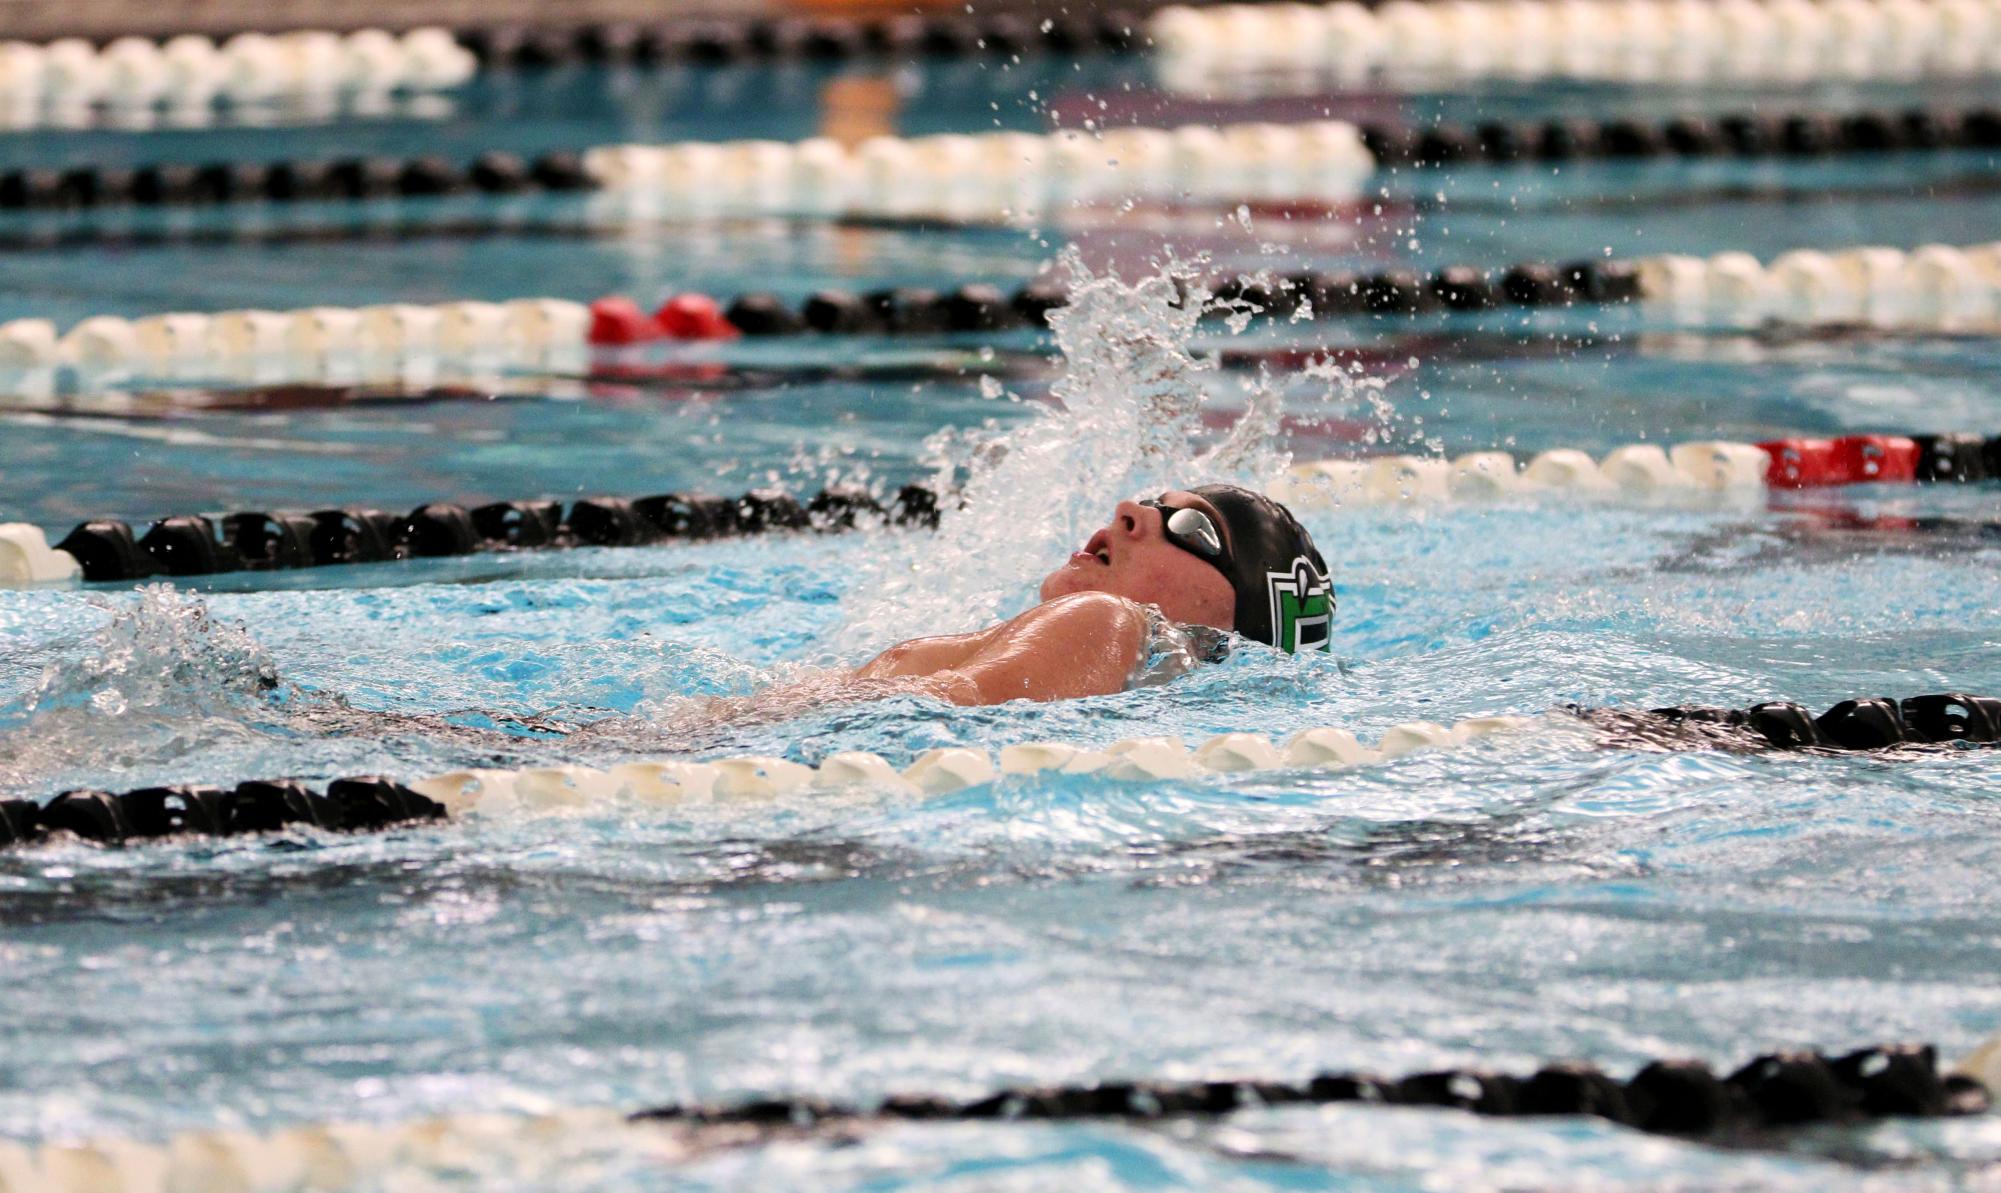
1284,597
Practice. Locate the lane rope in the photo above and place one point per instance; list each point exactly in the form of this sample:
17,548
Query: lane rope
270,345
108,549
192,545
372,802
1673,1097
1646,469
1800,134
173,184
197,545
193,71
1935,288
1757,1104
784,38
1625,40
991,176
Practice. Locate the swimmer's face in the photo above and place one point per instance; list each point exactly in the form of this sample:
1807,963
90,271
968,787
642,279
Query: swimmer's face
1132,557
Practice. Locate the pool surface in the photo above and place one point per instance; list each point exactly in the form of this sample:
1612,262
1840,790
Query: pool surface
1536,895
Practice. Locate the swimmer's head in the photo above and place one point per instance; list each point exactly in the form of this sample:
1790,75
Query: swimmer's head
1215,555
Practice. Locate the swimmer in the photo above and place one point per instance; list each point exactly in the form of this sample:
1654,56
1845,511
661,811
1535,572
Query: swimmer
1146,599
1149,597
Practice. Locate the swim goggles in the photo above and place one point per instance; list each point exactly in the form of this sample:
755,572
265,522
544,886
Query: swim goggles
1191,530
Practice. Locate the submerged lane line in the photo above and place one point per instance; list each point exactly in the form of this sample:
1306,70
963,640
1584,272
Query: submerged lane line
175,436
1753,1106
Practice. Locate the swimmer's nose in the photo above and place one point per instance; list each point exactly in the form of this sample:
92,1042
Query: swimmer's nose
1133,520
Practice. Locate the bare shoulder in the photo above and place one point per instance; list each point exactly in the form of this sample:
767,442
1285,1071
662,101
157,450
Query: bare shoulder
1078,645
1088,614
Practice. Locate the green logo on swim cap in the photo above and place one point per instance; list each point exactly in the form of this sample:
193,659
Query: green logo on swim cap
1302,608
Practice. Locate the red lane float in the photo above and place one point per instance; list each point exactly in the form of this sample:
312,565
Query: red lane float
1850,460
1801,463
616,320
694,317
1886,458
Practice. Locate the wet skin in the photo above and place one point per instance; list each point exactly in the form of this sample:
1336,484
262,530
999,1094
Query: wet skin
1087,635
1132,557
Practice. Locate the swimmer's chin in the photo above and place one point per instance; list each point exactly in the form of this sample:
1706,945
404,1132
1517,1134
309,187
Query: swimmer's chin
1071,577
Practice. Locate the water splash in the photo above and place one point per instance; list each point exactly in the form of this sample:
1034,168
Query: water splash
1131,396
163,668
161,652
168,692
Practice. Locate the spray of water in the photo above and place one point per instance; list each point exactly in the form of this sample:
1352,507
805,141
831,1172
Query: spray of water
161,652
165,683
162,671
1131,396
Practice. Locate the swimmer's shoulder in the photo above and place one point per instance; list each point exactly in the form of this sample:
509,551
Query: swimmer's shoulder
1102,608
1083,644
1093,616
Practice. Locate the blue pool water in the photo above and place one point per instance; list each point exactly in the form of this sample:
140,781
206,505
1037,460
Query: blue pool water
1531,897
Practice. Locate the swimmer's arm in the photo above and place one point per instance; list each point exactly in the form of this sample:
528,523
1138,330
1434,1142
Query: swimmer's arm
1079,645
927,656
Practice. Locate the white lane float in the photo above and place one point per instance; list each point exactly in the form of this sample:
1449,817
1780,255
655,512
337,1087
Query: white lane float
758,779
1228,46
1933,287
989,176
192,70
